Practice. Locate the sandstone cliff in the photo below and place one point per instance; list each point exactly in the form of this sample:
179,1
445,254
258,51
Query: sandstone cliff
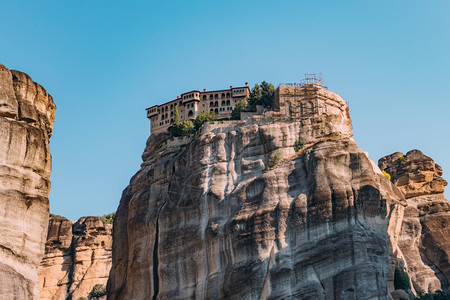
77,257
27,113
235,212
425,232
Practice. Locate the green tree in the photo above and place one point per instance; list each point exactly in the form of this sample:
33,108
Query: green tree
187,127
109,218
176,126
176,116
203,117
240,106
401,280
267,92
261,95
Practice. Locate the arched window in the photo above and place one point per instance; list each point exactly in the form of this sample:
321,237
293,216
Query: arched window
162,117
223,103
204,97
228,102
216,111
222,96
211,103
216,96
228,95
216,103
211,97
190,113
171,113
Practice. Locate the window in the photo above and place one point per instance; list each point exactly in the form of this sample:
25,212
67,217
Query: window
211,103
223,103
216,96
216,103
204,97
228,95
216,111
222,96
190,113
211,97
228,102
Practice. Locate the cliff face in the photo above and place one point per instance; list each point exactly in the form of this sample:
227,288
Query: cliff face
234,212
425,232
77,257
27,113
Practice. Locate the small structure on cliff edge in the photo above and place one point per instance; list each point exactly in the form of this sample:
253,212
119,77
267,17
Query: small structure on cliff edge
307,99
292,101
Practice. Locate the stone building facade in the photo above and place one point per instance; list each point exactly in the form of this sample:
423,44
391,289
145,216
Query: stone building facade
192,103
309,98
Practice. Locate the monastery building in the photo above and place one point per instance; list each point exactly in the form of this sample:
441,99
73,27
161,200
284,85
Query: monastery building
192,103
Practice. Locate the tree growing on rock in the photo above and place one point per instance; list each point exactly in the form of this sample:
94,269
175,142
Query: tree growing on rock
260,95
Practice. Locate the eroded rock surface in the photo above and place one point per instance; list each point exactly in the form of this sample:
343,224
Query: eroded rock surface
425,233
27,113
77,257
221,217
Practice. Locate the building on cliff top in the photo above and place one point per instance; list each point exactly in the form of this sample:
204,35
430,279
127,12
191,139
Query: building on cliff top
192,103
306,99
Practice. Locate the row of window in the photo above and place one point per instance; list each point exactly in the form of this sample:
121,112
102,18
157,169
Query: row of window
216,103
216,96
190,96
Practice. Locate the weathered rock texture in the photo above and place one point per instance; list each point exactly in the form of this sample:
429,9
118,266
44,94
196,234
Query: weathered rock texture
77,257
425,232
27,113
220,217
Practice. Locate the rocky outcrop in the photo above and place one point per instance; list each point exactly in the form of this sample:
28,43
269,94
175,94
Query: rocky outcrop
237,213
425,232
27,113
77,257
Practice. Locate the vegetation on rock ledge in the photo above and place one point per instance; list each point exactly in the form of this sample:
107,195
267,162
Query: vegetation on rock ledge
260,95
109,218
187,127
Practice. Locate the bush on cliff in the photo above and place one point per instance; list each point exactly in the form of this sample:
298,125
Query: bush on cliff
98,291
401,280
202,118
109,218
240,106
187,127
437,295
299,144
275,159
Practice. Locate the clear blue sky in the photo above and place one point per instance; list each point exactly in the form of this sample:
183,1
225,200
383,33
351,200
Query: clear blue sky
104,62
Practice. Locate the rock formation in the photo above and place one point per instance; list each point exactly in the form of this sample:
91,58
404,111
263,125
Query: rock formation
27,113
235,212
77,257
425,232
